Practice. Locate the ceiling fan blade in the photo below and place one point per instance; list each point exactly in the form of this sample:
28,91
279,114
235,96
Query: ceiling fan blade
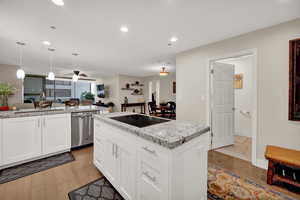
68,74
83,75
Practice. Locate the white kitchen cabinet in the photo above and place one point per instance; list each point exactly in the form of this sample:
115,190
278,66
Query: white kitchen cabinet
56,133
21,139
29,138
110,161
116,159
126,158
142,170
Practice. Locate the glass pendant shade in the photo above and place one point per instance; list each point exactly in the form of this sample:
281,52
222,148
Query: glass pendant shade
51,76
20,74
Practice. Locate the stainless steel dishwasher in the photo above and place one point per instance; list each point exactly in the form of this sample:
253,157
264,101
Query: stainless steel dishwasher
82,128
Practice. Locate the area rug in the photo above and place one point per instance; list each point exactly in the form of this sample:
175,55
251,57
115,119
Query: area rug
100,189
224,185
26,169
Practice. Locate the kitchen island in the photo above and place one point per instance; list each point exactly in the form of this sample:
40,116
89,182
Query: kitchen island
147,158
31,134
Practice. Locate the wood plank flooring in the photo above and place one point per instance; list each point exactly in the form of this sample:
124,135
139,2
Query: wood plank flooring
55,183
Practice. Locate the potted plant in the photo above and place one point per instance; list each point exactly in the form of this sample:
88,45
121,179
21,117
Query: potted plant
110,106
87,98
5,91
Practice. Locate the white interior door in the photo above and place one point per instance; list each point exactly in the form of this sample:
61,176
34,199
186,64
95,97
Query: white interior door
222,114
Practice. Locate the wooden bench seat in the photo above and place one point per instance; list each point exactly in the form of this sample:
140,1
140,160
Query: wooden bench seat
283,157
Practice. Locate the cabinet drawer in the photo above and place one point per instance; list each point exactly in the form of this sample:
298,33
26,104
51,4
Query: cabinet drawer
150,184
152,155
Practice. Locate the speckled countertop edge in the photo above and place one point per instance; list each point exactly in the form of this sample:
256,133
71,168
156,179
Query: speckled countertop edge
192,130
52,111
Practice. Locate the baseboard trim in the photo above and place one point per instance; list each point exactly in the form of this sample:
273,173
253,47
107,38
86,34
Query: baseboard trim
261,163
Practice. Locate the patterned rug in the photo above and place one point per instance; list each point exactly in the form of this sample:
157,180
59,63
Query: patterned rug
26,169
224,185
100,189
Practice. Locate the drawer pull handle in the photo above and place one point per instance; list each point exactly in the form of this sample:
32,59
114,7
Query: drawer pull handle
149,150
152,178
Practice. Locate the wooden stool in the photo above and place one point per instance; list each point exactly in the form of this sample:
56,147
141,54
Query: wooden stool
284,165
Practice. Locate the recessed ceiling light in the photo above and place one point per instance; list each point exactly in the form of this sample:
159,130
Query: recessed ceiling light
173,39
58,2
124,29
47,43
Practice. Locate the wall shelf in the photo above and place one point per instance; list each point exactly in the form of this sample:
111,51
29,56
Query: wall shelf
137,85
130,89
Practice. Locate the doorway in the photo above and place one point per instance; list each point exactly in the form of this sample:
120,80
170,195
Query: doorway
233,102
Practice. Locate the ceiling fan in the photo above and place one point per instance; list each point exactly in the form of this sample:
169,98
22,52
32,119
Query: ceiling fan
77,75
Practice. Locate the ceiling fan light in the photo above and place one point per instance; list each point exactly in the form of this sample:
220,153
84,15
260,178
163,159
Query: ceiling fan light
163,72
20,74
51,76
75,78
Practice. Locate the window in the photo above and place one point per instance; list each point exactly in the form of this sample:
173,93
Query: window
59,90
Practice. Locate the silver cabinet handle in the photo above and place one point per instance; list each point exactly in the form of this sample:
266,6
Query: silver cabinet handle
152,178
44,122
113,150
149,150
117,149
39,121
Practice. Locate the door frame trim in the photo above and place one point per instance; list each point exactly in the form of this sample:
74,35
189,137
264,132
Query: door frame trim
254,95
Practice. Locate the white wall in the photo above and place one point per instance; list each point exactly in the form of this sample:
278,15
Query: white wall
273,58
114,85
123,79
166,84
243,97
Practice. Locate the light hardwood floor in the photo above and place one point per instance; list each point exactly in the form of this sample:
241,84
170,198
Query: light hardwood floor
240,149
55,183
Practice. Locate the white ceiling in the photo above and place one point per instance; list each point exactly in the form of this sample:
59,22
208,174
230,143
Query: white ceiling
91,28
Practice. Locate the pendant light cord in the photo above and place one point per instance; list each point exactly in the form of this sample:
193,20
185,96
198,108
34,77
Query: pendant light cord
21,57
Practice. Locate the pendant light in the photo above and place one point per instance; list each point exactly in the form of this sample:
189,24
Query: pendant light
20,72
51,75
76,73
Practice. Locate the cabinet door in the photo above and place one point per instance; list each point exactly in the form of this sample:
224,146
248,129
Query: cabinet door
56,133
21,139
110,162
126,159
99,152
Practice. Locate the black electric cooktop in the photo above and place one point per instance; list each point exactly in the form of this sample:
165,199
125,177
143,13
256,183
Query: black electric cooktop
139,120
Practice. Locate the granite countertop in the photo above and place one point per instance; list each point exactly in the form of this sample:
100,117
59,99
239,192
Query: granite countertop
48,111
168,134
